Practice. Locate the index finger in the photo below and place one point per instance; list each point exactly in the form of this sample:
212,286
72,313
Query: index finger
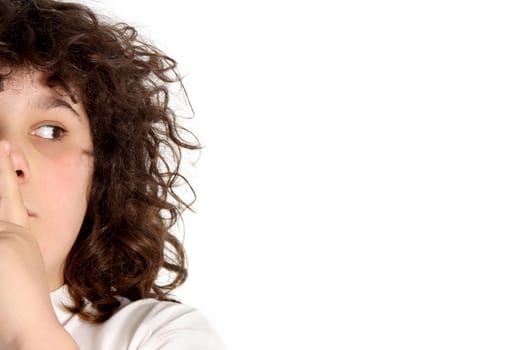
12,208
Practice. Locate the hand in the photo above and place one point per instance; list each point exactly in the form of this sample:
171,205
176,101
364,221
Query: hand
26,313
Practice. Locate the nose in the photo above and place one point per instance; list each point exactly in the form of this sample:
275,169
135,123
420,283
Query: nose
19,162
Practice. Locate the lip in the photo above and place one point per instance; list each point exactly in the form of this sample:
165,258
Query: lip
29,213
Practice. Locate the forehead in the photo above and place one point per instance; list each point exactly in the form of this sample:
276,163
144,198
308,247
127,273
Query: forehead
28,78
40,91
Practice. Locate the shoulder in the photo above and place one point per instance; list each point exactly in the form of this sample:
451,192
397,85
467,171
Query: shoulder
146,324
167,325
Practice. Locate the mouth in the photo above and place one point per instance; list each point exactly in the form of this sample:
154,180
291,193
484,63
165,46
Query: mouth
29,213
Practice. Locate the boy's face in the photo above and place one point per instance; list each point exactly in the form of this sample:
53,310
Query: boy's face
54,168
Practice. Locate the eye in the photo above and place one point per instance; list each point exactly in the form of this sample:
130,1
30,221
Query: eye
50,132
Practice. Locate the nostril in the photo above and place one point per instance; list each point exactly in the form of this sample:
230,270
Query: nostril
19,173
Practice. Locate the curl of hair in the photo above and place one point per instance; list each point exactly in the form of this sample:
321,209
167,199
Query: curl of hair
125,238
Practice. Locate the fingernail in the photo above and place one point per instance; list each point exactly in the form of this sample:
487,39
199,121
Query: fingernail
7,148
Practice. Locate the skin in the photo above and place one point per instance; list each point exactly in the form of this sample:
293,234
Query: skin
44,185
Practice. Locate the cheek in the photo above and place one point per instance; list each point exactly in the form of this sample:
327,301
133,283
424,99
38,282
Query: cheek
63,184
66,179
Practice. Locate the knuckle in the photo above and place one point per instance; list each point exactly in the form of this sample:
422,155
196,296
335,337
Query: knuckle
9,229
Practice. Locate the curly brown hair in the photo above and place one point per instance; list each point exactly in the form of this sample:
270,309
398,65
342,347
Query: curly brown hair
123,81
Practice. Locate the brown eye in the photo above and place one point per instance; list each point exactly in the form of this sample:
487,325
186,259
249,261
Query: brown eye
50,132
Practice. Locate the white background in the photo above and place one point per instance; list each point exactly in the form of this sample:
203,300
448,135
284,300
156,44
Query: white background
356,189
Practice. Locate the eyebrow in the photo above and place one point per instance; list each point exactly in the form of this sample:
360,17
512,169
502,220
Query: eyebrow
48,103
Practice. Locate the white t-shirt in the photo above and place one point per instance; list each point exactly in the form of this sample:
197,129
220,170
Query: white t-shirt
146,324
